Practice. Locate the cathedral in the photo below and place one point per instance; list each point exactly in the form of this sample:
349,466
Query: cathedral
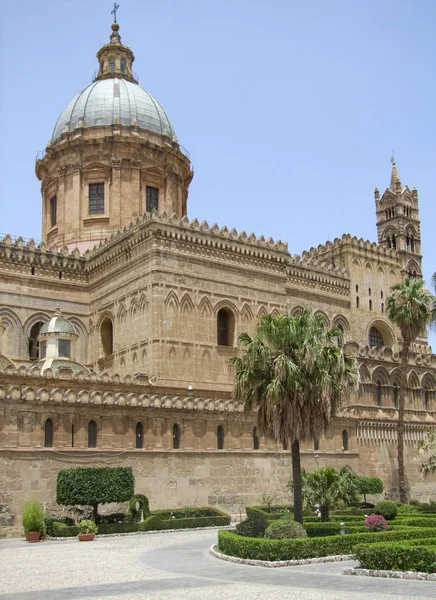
117,329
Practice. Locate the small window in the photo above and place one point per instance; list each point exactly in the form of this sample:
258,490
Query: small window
375,338
92,434
378,393
43,349
33,341
220,437
357,301
285,445
106,337
123,65
315,443
382,307
225,327
72,435
255,439
111,64
176,436
64,348
369,291
53,211
139,435
357,289
370,305
151,198
381,295
396,395
96,198
345,440
48,433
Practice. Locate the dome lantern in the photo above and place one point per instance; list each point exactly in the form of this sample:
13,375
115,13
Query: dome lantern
115,59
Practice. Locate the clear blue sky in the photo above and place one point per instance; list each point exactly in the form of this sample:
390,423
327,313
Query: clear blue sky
290,109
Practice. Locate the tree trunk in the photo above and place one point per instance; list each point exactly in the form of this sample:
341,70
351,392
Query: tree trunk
296,477
400,428
95,512
325,512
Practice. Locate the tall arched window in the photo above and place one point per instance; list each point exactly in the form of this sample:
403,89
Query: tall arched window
107,337
123,65
255,439
48,433
345,440
111,64
139,435
378,393
396,395
33,341
370,305
426,399
92,434
176,436
220,437
225,327
375,338
285,445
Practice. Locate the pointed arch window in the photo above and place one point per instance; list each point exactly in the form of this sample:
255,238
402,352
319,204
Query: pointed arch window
255,439
396,392
107,337
345,440
176,436
220,437
139,435
92,434
225,327
48,433
33,340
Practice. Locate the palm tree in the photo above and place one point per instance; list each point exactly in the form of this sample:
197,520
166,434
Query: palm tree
410,307
295,372
327,486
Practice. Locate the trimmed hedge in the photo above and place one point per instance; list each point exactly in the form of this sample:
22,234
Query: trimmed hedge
259,518
125,527
189,513
62,530
336,519
416,522
270,550
401,556
94,485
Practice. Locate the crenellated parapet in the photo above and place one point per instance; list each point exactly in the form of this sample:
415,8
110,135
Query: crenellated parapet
353,243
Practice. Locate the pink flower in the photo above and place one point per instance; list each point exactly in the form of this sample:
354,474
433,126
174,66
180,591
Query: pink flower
376,523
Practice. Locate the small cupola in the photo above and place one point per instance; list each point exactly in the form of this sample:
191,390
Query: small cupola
57,339
115,59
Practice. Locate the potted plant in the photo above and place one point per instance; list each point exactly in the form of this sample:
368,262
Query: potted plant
87,530
32,515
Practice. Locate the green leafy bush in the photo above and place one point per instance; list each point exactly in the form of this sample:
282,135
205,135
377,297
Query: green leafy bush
407,509
419,521
259,518
94,486
87,526
285,528
124,527
369,485
336,519
397,557
246,528
32,516
322,529
62,530
151,523
266,549
387,508
137,505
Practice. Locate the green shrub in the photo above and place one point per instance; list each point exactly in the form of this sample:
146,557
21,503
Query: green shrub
265,549
369,485
397,557
387,508
62,530
246,528
94,486
357,519
407,509
87,526
259,519
125,527
137,505
285,528
321,529
151,523
189,513
417,522
32,515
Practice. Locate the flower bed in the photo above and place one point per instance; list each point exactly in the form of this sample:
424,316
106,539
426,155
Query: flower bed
233,544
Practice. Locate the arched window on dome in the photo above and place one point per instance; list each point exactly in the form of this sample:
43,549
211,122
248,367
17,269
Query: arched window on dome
111,64
375,338
48,434
123,65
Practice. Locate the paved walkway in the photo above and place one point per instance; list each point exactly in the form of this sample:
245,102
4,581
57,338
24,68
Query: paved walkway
174,566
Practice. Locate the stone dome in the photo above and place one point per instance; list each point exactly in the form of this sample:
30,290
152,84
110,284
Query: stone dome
56,364
114,101
58,324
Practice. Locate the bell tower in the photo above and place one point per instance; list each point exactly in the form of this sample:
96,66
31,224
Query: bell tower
398,224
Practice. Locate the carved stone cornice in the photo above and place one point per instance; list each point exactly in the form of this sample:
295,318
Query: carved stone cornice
61,171
116,162
77,167
135,163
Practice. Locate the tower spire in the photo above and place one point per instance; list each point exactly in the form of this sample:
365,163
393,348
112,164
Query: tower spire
394,175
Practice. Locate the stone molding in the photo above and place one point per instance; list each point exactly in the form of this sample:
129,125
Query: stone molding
382,431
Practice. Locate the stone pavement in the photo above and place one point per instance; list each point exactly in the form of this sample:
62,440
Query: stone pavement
174,566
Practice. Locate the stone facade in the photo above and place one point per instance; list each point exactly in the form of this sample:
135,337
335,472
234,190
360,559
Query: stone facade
158,301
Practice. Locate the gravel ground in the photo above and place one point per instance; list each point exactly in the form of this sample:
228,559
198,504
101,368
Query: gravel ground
174,566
